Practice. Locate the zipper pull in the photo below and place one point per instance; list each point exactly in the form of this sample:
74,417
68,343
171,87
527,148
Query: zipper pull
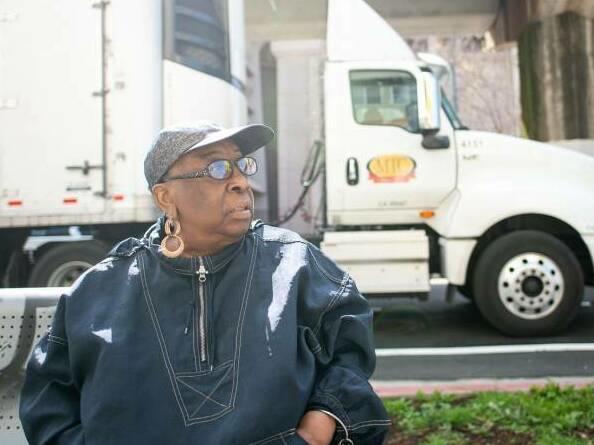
201,272
189,319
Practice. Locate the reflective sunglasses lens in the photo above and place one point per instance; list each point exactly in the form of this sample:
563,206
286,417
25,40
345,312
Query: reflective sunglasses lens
220,169
247,166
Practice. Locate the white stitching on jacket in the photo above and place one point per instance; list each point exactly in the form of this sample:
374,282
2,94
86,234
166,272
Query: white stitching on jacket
238,337
185,415
161,340
330,305
194,322
367,423
168,365
212,392
338,403
206,371
243,309
206,397
56,339
328,275
275,436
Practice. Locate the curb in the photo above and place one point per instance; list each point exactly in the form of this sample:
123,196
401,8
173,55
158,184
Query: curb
399,388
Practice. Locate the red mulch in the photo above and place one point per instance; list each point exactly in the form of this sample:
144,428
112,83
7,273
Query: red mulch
495,436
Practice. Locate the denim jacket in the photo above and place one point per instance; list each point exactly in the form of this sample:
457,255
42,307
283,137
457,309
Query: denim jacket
232,348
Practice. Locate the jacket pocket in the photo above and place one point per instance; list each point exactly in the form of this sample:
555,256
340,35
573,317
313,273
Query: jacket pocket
206,395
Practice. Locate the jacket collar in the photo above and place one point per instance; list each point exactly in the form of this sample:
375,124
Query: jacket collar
213,263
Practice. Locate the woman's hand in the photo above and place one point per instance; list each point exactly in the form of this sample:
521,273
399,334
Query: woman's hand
316,428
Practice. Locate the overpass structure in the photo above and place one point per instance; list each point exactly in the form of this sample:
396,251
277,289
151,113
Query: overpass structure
556,54
306,19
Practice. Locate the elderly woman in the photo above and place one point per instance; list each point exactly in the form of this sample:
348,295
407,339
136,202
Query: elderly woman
212,328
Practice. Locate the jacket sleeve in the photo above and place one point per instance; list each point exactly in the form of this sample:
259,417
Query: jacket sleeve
50,401
345,361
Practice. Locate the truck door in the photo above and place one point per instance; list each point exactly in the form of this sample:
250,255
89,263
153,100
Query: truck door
51,107
378,172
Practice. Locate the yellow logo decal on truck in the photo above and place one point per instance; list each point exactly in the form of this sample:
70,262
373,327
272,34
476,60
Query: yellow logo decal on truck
391,168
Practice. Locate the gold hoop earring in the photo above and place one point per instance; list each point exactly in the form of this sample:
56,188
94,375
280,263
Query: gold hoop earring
172,233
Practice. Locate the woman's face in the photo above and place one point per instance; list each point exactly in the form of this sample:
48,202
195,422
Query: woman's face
220,210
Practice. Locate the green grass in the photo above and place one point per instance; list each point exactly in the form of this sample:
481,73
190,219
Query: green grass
547,416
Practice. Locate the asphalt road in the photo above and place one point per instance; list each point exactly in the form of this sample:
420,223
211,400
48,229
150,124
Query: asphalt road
410,337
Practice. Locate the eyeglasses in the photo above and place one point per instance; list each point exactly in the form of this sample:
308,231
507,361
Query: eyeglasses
221,169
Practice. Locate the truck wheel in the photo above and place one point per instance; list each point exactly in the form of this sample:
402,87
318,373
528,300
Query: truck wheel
63,264
528,283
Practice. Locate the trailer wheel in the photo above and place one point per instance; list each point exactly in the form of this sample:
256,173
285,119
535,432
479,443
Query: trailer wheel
63,264
528,283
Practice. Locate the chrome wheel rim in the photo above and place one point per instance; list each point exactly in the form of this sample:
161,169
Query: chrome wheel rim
530,286
67,273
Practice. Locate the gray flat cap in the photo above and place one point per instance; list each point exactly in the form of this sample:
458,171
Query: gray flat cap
173,142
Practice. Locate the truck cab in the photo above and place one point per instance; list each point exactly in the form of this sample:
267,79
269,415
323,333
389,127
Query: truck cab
412,193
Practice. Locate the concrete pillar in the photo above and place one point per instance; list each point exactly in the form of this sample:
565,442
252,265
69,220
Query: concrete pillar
256,115
557,76
299,124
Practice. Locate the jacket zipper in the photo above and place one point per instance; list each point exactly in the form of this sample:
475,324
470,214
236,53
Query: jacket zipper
201,280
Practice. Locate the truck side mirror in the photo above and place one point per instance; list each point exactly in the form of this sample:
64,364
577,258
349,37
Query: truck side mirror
432,140
429,97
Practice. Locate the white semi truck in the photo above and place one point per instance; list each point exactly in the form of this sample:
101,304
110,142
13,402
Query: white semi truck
508,221
410,192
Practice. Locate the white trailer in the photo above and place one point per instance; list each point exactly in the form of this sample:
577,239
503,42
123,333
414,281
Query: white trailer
84,87
410,191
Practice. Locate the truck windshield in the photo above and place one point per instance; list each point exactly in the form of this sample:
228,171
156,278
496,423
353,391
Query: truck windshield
196,34
451,113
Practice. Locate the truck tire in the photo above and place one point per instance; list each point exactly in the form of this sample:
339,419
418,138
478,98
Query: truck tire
63,264
528,283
